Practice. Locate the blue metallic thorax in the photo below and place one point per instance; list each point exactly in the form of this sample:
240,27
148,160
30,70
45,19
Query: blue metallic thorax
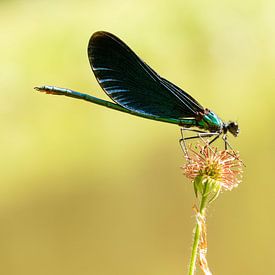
210,122
207,121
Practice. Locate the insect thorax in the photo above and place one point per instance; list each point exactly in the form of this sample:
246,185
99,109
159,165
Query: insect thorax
209,121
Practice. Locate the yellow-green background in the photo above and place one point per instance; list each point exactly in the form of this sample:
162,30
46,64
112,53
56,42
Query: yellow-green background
86,190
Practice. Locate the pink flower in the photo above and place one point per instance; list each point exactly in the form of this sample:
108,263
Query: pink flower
207,164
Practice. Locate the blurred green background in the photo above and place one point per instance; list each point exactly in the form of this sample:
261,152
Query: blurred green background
87,190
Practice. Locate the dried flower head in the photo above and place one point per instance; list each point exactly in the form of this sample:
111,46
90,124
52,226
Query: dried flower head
222,168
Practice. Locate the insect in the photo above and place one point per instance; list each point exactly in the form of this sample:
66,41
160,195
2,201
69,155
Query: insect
137,89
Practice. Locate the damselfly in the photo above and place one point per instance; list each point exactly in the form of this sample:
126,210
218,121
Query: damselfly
137,89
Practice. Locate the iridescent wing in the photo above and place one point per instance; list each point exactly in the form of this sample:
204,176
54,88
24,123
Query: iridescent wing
131,83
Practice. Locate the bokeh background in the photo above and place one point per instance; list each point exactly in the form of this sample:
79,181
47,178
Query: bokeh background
87,190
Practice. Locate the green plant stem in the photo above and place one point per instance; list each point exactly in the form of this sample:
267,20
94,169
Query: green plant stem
194,253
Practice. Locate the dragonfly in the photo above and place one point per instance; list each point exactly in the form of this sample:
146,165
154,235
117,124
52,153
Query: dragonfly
136,89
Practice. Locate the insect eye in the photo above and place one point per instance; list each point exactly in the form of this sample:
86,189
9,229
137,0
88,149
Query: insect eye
233,125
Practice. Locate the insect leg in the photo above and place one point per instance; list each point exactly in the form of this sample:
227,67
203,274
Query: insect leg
200,135
227,144
183,144
192,130
203,135
218,135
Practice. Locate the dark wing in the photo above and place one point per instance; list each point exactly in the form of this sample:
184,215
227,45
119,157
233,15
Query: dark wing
131,83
